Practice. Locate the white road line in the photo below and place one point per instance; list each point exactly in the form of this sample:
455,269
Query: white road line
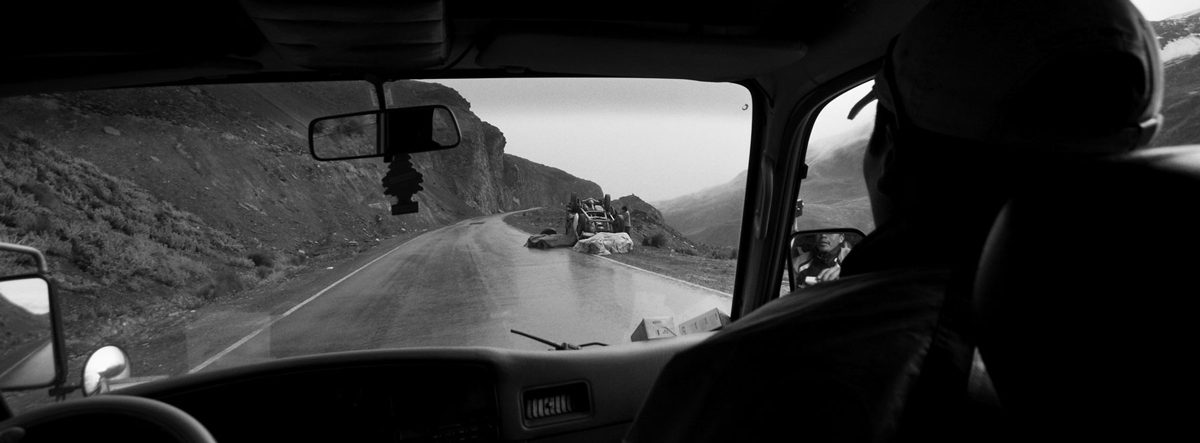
726,294
247,338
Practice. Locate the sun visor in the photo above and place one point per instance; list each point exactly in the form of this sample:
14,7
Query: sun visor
360,35
702,58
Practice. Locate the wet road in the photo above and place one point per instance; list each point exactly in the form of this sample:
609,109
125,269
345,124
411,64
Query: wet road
467,285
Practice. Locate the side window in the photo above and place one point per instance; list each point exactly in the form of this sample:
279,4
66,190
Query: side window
834,195
833,198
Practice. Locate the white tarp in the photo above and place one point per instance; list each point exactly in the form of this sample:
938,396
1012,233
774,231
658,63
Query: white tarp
605,243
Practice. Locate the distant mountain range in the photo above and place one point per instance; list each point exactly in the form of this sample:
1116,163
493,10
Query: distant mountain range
834,195
712,216
1177,27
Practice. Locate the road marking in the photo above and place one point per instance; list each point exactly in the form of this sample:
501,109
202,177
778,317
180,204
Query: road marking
247,338
726,294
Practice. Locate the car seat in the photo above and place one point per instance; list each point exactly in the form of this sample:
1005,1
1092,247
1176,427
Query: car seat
1080,300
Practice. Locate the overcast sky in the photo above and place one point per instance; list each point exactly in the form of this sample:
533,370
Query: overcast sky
1155,10
32,294
658,139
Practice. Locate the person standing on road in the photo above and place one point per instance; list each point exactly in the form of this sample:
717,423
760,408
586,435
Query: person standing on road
626,219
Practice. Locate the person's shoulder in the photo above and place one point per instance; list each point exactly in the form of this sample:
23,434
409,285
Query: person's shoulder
860,290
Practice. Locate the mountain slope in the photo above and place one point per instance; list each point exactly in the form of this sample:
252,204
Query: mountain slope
529,184
712,216
834,196
1181,101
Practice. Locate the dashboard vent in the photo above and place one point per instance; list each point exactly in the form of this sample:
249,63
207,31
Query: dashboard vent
556,403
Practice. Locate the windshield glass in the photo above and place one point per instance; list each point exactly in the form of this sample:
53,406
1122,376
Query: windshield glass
192,227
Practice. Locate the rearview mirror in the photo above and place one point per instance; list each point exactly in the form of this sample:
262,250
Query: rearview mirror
383,133
27,345
815,256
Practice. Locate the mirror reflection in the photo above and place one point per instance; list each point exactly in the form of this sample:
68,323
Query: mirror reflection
445,128
406,131
26,334
106,365
816,256
347,136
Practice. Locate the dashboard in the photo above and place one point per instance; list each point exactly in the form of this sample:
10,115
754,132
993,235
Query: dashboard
426,394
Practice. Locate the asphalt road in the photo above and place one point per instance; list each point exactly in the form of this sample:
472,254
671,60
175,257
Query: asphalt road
467,285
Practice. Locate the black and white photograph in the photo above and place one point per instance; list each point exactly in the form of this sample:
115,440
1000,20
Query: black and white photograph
430,220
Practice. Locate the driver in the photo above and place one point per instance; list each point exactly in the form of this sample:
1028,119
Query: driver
974,96
825,263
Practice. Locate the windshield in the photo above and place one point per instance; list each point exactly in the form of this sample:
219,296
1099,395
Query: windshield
191,226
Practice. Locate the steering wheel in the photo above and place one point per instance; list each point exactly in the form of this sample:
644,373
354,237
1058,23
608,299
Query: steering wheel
139,419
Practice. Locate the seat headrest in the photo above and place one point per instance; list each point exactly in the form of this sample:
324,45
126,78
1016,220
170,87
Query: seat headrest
1081,293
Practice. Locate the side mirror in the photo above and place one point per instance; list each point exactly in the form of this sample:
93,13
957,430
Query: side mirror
383,133
31,350
106,365
815,256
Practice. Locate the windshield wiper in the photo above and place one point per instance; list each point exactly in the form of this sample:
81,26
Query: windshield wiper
564,346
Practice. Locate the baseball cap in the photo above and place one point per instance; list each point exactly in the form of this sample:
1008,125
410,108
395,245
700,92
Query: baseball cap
1078,74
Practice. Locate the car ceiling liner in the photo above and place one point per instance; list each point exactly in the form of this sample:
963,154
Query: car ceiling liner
359,35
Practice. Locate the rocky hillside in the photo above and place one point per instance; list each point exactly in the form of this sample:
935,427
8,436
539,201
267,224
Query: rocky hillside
169,197
1179,38
529,184
651,228
647,221
1179,27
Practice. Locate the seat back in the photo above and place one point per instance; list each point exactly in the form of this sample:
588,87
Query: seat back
1082,299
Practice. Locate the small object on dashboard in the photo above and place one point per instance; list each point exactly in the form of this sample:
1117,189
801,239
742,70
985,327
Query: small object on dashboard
654,328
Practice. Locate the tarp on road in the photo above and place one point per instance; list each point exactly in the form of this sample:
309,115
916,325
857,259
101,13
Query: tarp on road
546,241
605,243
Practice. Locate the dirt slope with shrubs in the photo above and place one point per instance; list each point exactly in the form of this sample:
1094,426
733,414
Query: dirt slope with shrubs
119,254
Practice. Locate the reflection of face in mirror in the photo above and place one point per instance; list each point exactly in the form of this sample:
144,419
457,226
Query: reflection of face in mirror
817,257
26,345
829,242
